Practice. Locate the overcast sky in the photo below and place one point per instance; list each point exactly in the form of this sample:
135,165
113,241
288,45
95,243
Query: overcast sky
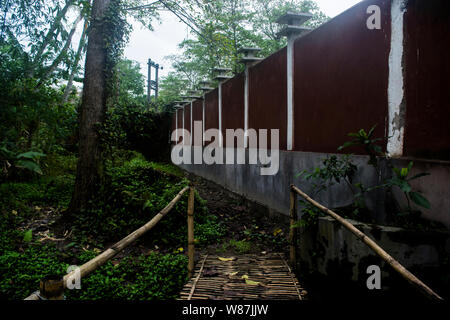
164,40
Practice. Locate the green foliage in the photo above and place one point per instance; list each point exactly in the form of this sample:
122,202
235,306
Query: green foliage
267,12
24,263
209,231
132,194
28,160
22,197
335,170
365,140
310,215
274,240
22,268
155,277
401,181
133,184
28,236
129,84
133,128
241,246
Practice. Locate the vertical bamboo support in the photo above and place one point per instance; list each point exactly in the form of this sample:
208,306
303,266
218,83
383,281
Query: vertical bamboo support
190,221
292,231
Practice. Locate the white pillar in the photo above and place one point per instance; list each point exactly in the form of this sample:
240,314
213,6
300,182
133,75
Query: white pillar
395,85
184,143
220,115
192,129
246,101
176,123
203,119
290,92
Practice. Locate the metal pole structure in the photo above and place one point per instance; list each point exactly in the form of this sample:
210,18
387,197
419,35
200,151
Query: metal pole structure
149,81
156,81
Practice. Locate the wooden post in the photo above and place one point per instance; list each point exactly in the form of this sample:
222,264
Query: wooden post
190,221
293,231
52,288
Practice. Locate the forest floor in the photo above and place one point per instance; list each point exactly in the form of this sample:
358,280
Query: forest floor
249,226
35,243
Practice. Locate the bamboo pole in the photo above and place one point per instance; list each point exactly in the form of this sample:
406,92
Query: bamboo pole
197,278
292,278
106,255
376,248
293,231
190,222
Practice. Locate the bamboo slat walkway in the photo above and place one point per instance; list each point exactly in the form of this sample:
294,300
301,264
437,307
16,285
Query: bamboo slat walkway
261,277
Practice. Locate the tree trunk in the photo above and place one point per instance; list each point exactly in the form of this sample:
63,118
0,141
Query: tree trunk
92,111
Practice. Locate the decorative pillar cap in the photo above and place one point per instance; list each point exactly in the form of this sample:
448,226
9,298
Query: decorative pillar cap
249,51
221,78
294,18
291,30
206,89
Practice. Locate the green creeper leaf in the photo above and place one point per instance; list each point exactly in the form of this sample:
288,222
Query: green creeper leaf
29,165
397,171
371,131
405,186
420,200
404,172
410,165
347,144
28,236
30,155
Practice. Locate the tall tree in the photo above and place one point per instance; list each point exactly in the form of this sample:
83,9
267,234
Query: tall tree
93,109
107,35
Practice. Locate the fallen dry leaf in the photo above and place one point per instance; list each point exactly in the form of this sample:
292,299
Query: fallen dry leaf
227,259
252,283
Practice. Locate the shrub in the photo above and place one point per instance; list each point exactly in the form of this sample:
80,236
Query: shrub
133,194
156,276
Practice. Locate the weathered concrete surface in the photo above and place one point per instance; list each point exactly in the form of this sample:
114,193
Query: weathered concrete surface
273,191
435,187
330,250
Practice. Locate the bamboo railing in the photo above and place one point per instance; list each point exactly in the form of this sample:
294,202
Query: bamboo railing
412,279
53,289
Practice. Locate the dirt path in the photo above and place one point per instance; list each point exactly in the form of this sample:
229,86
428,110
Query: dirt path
249,227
